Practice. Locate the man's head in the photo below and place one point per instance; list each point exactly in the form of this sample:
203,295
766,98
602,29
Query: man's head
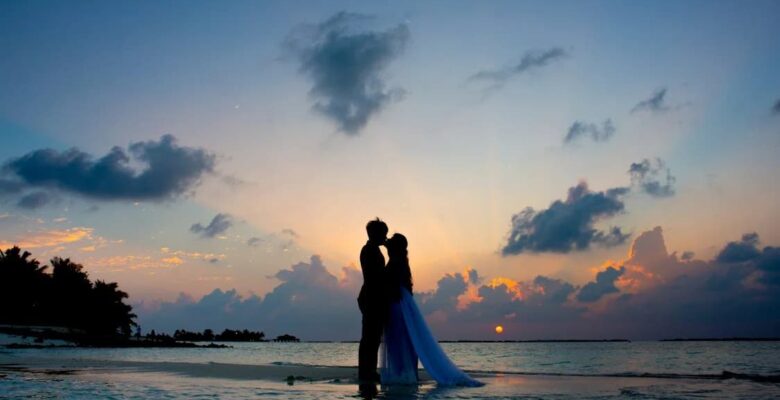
377,231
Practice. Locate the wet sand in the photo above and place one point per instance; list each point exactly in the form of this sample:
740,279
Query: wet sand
302,381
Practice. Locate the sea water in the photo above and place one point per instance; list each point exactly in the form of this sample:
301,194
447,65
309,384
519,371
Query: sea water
596,370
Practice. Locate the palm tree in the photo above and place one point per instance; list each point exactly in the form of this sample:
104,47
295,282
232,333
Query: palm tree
23,281
111,315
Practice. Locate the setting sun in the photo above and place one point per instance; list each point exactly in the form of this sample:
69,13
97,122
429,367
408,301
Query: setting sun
499,329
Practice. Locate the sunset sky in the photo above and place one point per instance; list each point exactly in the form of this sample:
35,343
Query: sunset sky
219,160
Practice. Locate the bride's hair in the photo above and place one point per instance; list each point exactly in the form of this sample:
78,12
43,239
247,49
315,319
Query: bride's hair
399,255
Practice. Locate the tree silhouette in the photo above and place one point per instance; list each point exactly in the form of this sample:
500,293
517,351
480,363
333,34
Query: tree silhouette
108,301
66,297
23,283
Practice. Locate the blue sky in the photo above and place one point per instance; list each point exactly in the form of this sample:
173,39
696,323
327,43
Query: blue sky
445,158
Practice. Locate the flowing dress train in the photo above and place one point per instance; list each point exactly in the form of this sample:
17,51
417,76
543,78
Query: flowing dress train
408,337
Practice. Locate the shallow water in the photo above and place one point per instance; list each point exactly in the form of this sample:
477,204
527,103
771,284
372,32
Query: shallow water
673,370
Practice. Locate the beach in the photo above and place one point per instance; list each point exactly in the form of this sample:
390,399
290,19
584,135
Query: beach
130,373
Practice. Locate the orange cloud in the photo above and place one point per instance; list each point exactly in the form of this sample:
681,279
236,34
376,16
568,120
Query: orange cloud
173,260
123,262
51,238
512,286
471,296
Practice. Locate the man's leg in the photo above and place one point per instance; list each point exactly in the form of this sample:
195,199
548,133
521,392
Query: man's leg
369,346
364,352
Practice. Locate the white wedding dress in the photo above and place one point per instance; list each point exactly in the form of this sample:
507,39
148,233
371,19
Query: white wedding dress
406,338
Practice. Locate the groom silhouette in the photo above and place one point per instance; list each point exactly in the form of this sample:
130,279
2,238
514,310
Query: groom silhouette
372,301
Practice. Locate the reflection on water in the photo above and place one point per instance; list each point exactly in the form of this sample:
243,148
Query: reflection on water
683,358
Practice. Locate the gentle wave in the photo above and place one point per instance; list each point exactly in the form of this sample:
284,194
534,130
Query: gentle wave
722,376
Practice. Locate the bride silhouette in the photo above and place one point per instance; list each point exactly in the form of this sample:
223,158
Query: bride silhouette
406,335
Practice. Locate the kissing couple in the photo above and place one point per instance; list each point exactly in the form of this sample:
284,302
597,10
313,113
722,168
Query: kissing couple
389,311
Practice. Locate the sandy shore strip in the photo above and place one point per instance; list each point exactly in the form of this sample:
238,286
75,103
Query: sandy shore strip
268,372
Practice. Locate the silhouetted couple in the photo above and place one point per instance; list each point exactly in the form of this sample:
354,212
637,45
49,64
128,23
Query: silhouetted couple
389,310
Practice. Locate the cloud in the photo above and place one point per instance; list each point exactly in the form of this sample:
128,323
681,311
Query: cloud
48,238
182,255
687,255
744,250
531,60
218,225
254,241
652,177
445,297
604,284
655,103
290,232
597,133
172,260
567,225
309,302
8,186
35,200
724,297
346,67
776,107
649,295
169,171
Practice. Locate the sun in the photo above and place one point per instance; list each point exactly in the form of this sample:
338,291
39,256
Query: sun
499,329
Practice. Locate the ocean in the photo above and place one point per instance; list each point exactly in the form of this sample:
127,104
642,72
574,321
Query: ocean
587,370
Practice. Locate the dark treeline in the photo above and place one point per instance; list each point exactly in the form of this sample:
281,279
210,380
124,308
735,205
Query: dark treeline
228,335
60,294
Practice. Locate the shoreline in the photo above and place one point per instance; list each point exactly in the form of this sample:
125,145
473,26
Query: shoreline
287,372
31,374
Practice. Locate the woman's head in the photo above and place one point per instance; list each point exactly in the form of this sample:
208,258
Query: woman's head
399,260
397,245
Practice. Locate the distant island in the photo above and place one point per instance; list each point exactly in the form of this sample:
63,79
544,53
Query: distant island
228,335
60,302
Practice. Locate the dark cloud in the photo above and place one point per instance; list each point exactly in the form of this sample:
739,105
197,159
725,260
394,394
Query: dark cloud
656,103
554,291
744,250
776,107
290,232
597,133
309,302
35,200
532,59
687,255
445,297
657,296
346,66
169,171
652,177
719,298
473,276
603,285
567,225
10,187
218,225
254,241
